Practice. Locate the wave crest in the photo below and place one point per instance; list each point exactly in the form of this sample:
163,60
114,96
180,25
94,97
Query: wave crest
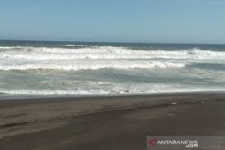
104,52
93,66
101,57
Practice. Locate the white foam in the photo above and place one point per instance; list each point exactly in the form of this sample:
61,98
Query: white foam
92,65
53,92
155,90
101,57
9,47
72,45
106,52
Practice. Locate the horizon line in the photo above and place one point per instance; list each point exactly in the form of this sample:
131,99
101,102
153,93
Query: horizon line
114,42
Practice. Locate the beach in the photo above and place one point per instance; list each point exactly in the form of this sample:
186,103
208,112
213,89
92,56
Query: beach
112,123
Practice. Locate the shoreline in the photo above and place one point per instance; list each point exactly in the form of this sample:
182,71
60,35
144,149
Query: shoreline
119,121
55,97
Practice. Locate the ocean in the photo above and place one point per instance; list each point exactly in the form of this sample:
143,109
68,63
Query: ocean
51,69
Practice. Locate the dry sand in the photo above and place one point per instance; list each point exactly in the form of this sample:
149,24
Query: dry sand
107,123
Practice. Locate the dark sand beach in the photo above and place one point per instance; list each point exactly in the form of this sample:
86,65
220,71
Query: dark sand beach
107,123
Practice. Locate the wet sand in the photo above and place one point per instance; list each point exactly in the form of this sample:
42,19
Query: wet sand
112,123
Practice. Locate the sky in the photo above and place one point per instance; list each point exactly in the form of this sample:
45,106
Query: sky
154,21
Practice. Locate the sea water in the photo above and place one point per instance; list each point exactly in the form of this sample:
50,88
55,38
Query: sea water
37,68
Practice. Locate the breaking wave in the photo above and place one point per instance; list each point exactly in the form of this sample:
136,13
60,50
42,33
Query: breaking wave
101,57
104,52
72,69
72,45
75,66
166,89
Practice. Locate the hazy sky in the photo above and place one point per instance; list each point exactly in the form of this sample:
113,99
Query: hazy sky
185,21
